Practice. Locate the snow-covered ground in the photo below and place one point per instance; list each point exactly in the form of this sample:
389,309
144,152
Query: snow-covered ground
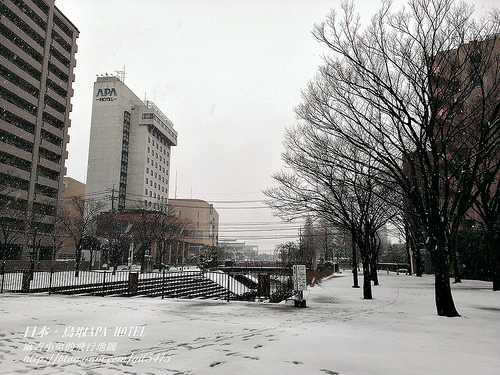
398,332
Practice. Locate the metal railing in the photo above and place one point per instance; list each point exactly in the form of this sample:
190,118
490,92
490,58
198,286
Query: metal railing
175,283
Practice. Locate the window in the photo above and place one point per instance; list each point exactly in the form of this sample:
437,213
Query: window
150,182
146,180
150,194
146,191
147,170
156,175
149,139
147,160
148,149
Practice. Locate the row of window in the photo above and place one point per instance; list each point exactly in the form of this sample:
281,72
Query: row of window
56,88
156,156
16,141
159,146
58,72
16,100
17,121
156,185
151,172
20,43
30,89
32,14
60,40
63,26
27,29
18,81
153,194
55,122
19,62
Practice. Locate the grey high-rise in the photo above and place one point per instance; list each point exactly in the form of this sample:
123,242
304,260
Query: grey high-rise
37,59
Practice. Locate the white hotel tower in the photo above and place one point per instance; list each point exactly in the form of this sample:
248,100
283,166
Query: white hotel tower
129,151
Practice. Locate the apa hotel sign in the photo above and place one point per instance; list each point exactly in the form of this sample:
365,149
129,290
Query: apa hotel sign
106,95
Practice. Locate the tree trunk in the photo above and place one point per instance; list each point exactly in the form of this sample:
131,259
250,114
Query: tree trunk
440,256
456,269
444,300
408,255
77,260
418,262
373,270
492,240
367,285
354,266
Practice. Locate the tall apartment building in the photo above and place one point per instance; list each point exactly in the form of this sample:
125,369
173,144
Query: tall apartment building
37,59
129,151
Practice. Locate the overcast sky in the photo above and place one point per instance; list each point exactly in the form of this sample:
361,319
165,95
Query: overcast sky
226,73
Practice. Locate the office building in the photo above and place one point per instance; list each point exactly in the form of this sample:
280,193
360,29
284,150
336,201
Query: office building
129,151
37,53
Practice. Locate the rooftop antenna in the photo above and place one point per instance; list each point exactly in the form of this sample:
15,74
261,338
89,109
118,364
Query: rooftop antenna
121,74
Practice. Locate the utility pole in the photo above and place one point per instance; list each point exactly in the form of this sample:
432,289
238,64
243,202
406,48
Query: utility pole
113,199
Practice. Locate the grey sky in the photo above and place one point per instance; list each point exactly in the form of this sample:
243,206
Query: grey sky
228,75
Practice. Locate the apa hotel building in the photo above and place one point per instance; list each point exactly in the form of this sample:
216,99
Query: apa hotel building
129,150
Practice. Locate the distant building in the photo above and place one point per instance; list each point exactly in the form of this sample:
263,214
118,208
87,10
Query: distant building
37,49
71,189
202,221
202,217
129,151
238,250
175,238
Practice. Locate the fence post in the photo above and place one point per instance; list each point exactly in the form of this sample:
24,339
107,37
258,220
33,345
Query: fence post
2,270
133,283
163,284
228,287
26,281
104,283
50,281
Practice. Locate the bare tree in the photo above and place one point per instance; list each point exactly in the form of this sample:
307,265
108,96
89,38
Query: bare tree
487,206
145,228
12,214
288,254
79,219
327,178
406,90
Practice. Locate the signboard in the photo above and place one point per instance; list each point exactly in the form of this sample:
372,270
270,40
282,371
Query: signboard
299,277
106,95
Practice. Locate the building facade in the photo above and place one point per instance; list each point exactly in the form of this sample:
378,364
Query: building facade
37,59
129,150
201,217
71,189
